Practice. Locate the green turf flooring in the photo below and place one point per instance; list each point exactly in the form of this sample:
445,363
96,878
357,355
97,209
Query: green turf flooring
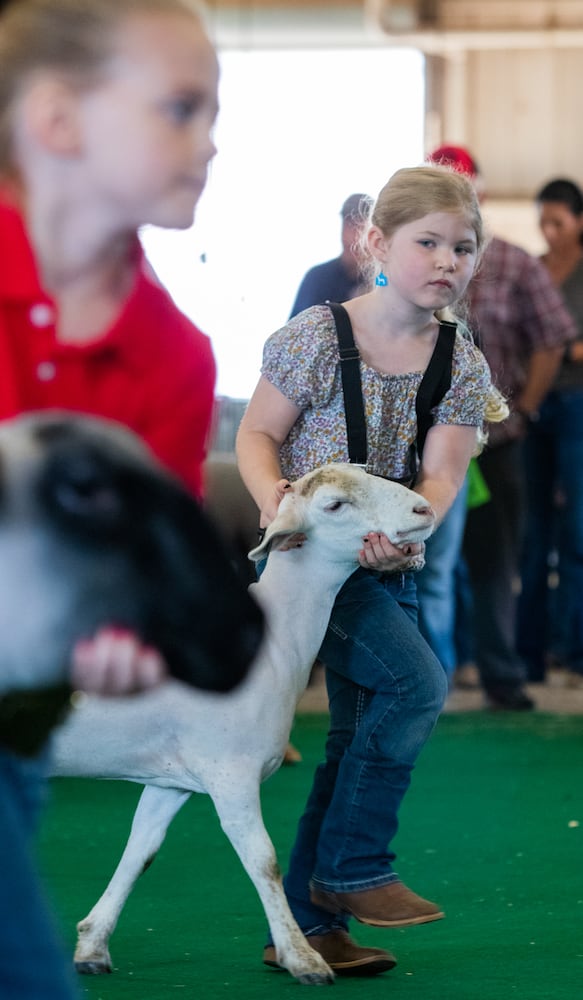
492,828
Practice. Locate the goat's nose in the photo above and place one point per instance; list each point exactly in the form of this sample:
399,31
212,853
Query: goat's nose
426,510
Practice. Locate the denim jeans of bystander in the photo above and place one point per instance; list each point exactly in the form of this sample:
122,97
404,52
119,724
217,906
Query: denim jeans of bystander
554,475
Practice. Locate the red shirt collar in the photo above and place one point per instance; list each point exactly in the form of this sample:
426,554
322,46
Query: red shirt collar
20,280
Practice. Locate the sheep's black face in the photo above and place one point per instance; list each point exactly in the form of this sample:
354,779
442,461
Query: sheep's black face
93,532
87,495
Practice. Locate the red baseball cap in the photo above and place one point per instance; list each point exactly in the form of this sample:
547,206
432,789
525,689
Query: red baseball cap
456,157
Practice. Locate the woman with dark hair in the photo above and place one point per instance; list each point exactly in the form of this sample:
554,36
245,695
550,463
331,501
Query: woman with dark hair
554,460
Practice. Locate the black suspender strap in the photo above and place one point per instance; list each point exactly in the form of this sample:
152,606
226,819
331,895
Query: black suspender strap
351,386
435,383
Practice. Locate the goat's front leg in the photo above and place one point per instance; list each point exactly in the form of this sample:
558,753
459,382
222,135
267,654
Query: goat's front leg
156,810
239,809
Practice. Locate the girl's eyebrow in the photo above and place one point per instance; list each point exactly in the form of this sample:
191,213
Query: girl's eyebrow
428,232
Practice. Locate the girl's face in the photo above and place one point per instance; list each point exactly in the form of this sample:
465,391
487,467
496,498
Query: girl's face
560,227
430,261
146,129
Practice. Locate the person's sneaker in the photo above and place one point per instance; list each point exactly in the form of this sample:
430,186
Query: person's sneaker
344,956
390,905
508,697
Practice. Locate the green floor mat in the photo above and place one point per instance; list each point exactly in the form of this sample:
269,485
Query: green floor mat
492,829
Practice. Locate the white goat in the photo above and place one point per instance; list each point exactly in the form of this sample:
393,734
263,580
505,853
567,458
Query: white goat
177,741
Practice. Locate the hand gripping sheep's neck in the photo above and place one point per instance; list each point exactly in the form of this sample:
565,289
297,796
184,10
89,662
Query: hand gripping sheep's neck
298,586
179,741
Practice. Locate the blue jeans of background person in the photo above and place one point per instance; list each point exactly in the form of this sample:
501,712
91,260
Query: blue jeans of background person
554,462
386,689
33,964
436,583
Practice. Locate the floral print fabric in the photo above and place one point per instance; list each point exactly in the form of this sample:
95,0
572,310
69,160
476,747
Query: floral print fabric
301,360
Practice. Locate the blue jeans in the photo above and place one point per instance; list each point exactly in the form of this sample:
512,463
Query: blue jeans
553,461
386,689
436,583
33,964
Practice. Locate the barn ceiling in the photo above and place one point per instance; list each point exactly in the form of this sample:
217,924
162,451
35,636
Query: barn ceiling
502,76
432,25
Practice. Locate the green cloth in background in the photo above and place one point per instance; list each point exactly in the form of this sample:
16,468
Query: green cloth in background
478,492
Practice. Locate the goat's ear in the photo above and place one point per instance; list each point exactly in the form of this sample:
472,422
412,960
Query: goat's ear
272,540
287,522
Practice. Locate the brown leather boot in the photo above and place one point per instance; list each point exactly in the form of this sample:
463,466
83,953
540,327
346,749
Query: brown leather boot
391,905
344,956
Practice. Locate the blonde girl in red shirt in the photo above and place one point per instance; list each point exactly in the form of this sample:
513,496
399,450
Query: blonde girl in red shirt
106,116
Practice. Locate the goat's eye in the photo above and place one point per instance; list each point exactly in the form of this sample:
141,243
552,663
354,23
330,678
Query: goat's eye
79,487
85,495
334,505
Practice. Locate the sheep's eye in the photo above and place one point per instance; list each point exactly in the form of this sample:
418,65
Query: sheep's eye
334,505
85,496
80,490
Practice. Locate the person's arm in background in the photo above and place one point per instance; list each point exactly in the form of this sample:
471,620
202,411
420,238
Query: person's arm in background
550,327
542,369
574,351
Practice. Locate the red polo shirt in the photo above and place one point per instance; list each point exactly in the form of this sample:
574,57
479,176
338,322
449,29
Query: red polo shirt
152,370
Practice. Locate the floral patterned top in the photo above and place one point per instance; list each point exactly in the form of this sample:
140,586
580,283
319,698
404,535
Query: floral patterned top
302,361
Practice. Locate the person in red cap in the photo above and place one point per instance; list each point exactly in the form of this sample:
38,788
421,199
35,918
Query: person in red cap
522,326
456,157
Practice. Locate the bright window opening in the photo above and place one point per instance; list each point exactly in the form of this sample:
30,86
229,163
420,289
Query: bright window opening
298,131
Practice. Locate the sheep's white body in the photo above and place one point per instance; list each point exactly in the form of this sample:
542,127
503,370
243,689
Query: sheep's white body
177,741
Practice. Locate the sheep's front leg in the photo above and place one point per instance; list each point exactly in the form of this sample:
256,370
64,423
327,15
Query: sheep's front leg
239,810
156,810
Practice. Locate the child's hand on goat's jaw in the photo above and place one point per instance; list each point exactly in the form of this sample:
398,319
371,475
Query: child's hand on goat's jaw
115,662
380,554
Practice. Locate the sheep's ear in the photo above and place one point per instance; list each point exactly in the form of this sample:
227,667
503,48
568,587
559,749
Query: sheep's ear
288,522
274,540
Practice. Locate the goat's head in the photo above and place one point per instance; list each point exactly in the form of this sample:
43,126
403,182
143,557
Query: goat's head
93,531
340,503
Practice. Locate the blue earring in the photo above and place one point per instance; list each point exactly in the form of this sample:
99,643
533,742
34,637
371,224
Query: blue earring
381,279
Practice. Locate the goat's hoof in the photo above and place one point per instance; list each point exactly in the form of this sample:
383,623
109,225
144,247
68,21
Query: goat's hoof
97,967
316,979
